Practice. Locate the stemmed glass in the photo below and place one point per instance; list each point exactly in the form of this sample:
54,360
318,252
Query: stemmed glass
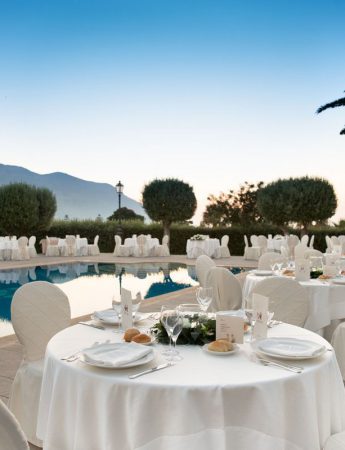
204,297
172,321
117,307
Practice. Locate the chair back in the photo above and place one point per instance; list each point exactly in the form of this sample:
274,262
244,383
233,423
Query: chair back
12,436
284,252
32,241
227,291
117,239
246,243
141,239
23,242
165,240
95,242
287,299
70,240
305,240
203,264
300,249
39,310
338,343
254,240
335,240
267,259
310,253
224,241
311,243
262,241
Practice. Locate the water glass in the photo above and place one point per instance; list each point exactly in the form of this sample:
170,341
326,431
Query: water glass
204,297
172,321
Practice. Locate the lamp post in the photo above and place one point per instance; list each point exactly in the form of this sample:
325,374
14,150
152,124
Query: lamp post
119,189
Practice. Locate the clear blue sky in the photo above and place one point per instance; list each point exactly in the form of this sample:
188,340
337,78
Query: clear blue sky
212,92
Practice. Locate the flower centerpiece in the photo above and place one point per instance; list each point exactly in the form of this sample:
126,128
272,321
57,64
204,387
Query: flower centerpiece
198,237
198,329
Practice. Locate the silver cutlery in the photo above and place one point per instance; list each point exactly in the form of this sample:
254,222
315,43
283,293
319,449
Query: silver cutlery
153,369
99,327
72,357
269,362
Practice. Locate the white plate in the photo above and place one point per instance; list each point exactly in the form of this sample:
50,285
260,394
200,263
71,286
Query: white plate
289,348
338,281
263,273
114,320
236,348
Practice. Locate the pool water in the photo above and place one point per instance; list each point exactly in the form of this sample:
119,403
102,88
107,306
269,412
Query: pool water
91,287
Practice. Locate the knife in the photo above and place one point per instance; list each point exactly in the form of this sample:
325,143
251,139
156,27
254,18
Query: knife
153,369
99,327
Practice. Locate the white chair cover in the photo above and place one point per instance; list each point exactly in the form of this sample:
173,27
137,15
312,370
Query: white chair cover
335,442
21,252
120,250
311,252
262,241
223,251
227,291
52,248
32,248
254,240
292,241
287,299
11,435
338,343
252,253
284,252
329,244
203,264
311,243
335,240
305,240
93,249
71,248
300,250
266,260
39,310
162,250
142,249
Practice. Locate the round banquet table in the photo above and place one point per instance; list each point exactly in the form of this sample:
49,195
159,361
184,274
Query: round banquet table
203,402
207,247
132,243
80,243
326,300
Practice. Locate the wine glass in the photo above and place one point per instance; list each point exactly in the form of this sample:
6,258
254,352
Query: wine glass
117,307
251,320
166,312
204,297
175,355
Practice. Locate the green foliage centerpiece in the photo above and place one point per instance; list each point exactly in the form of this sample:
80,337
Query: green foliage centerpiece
198,329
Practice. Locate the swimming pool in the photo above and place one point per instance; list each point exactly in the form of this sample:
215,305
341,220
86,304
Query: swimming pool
91,287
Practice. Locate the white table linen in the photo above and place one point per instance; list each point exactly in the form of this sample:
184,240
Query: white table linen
201,403
207,247
7,247
132,243
327,300
80,243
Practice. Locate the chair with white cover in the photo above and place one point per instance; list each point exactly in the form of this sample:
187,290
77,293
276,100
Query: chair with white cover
335,240
284,252
329,244
311,242
268,259
287,299
262,242
120,250
21,252
71,247
300,250
335,442
224,247
203,264
338,343
312,253
39,310
227,291
292,241
305,240
52,248
93,249
251,252
32,248
12,436
142,249
162,250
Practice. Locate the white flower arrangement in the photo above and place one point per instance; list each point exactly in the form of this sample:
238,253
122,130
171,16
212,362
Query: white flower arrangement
198,237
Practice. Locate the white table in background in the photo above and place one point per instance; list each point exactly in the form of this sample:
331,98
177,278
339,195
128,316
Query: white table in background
203,402
327,300
207,247
7,247
132,243
80,243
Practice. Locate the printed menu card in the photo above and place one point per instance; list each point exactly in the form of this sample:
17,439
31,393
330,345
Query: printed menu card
229,327
260,315
126,304
302,270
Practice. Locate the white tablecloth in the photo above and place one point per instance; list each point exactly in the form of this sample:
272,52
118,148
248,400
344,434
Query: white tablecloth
204,402
6,248
132,244
80,243
327,301
207,247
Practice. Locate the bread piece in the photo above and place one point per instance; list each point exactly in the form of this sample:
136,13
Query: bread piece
220,345
130,333
325,277
141,338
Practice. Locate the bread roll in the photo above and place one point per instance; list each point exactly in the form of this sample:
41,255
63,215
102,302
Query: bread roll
220,345
130,333
141,338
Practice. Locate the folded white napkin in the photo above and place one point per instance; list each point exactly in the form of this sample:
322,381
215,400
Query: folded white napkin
304,348
116,354
108,315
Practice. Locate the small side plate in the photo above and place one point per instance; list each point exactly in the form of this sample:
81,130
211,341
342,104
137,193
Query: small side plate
231,352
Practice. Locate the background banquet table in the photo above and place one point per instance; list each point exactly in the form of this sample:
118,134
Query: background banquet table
7,247
327,300
80,243
132,243
203,402
207,247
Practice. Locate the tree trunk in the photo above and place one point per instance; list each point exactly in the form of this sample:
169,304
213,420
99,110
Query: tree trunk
166,230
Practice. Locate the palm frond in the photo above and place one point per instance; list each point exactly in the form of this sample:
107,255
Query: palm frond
335,104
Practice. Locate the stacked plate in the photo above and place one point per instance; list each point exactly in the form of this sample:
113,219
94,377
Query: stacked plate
289,348
262,273
108,316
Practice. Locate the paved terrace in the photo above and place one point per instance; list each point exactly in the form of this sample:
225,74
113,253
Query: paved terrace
10,349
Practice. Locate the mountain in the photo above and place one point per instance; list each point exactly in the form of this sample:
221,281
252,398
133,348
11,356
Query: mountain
79,199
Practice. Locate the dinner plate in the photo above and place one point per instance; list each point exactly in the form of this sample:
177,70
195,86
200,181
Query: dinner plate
263,273
114,320
289,348
231,352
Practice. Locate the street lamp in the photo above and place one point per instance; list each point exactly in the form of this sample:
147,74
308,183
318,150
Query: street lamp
119,190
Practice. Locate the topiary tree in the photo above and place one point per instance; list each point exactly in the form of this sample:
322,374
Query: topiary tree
125,214
169,200
46,208
297,200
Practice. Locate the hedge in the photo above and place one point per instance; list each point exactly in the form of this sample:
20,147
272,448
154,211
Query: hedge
179,233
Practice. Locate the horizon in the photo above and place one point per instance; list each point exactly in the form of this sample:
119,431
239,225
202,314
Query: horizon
215,95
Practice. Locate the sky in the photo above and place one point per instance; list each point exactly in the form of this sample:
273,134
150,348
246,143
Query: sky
214,93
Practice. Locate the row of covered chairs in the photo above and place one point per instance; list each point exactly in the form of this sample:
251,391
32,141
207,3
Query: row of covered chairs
141,247
52,246
13,249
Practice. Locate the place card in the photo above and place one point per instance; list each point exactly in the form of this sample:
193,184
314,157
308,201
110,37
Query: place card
302,270
260,315
230,327
126,306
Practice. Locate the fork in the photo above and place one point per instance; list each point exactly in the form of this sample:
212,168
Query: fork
269,362
72,357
